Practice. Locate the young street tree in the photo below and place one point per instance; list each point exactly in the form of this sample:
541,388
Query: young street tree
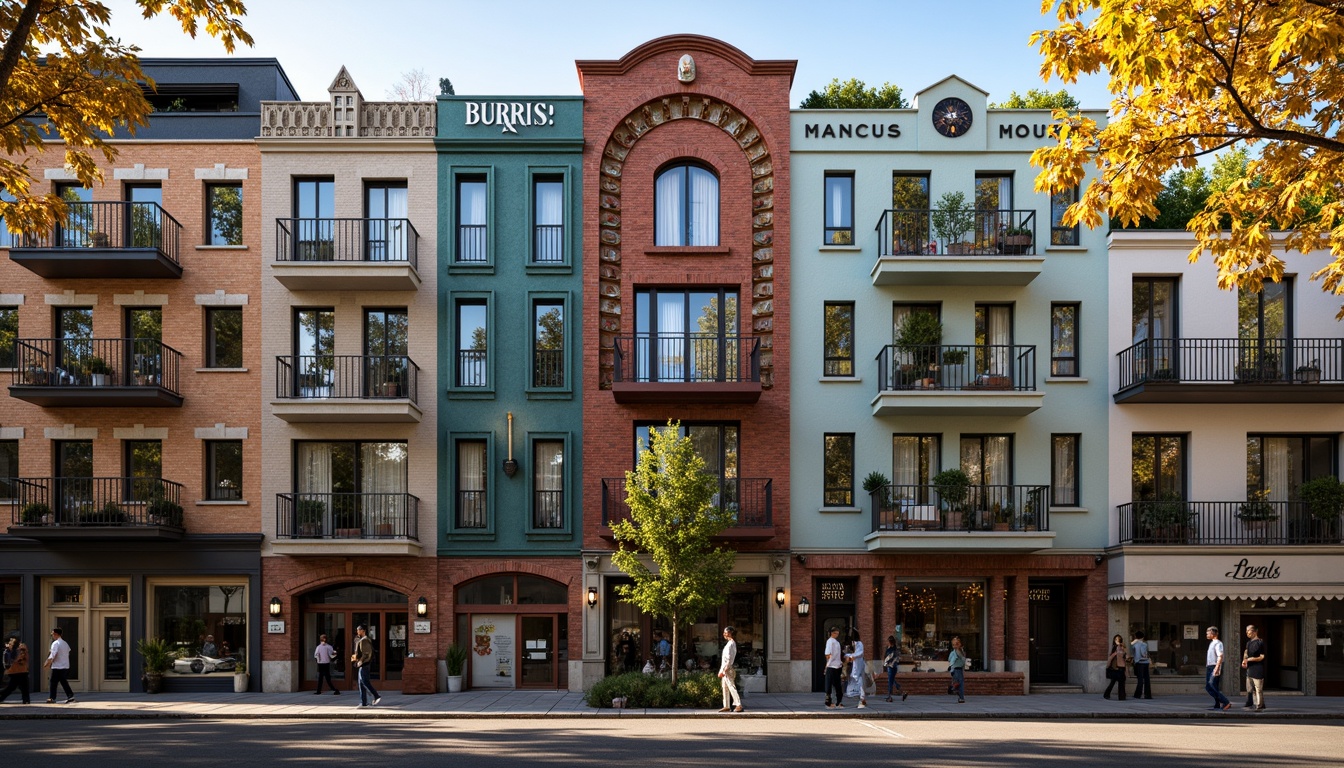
665,546
86,85
854,94
1192,79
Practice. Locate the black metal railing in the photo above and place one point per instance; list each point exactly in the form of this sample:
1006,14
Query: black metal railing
470,510
974,367
548,368
972,508
472,243
688,357
96,501
365,377
1173,521
117,225
471,367
1232,361
346,516
96,363
750,501
548,509
924,231
360,240
548,244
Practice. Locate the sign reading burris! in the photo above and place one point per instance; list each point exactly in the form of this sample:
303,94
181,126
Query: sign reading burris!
509,115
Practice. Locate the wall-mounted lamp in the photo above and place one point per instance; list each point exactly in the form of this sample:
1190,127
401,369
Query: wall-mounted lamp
804,608
592,597
780,598
422,607
510,466
801,558
275,606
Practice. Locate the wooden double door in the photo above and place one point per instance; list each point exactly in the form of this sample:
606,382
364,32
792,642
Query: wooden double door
386,628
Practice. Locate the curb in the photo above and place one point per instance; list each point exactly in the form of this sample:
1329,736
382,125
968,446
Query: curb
664,715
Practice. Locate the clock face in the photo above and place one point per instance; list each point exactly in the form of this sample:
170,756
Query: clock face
952,117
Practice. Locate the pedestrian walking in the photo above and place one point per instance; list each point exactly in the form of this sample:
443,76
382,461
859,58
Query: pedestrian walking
1253,661
363,657
891,661
858,670
732,700
1115,666
16,666
1143,682
59,662
1213,669
956,664
834,659
324,654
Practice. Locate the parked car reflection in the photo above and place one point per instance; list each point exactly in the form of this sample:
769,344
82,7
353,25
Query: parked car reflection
202,665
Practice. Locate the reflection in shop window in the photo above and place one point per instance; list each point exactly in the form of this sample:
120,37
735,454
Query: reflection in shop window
1330,648
1175,633
928,615
194,617
634,638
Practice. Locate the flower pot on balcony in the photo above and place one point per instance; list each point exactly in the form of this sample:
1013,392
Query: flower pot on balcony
1308,375
349,533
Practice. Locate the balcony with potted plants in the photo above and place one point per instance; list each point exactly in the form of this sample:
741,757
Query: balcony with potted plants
1258,520
134,508
687,368
952,513
348,254
346,388
956,244
105,373
105,240
1232,371
341,523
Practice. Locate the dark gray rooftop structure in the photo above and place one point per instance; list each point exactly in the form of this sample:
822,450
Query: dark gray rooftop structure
210,99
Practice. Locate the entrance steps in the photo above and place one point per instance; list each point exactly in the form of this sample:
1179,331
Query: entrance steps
1056,688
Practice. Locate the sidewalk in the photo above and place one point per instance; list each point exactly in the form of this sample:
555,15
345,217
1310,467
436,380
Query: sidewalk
561,704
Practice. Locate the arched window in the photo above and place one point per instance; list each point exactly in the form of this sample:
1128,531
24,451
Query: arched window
686,204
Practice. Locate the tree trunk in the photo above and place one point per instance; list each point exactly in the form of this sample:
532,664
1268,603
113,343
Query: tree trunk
674,650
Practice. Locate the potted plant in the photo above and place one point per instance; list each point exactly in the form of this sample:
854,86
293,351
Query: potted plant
1257,512
240,676
953,374
456,660
1164,520
100,371
953,486
36,513
160,510
346,519
1003,516
1032,509
1309,373
308,515
158,657
878,487
1324,498
951,220
110,514
35,375
919,342
1016,240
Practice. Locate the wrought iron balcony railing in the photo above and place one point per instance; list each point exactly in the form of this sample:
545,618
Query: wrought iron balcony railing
347,240
692,358
84,363
548,368
471,510
1232,361
111,225
96,501
928,232
972,508
472,241
549,244
365,377
984,367
1258,521
749,500
347,516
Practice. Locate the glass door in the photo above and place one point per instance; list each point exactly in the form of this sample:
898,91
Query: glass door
111,652
334,625
538,651
74,480
71,625
385,211
74,338
144,227
314,209
386,344
372,620
314,346
144,342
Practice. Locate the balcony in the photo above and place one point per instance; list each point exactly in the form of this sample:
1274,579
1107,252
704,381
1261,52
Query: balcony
339,523
933,247
951,380
346,254
105,241
346,388
982,518
96,373
687,368
1232,371
1178,522
123,508
749,500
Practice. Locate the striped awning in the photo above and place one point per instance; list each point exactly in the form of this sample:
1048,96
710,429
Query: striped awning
1225,592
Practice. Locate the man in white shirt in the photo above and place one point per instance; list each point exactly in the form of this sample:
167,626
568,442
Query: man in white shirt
59,662
834,660
728,673
1213,669
324,654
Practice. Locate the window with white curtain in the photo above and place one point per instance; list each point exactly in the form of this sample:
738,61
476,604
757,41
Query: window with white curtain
993,206
1277,464
839,224
471,220
686,205
362,484
548,201
987,459
548,484
994,340
1064,470
385,207
471,477
914,461
688,335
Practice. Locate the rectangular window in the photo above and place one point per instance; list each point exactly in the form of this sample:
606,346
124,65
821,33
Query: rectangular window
472,343
1059,203
471,477
1063,339
1165,624
9,333
224,214
191,615
839,209
1064,470
915,460
838,470
81,227
933,612
144,216
9,467
224,337
314,342
314,223
690,336
224,470
6,239
910,213
472,238
386,210
838,326
548,484
144,467
1276,465
718,444
993,208
548,343
994,344
1157,467
363,485
987,459
548,216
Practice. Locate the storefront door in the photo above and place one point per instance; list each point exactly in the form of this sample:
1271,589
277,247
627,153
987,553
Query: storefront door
94,618
1283,638
537,654
834,607
335,613
1048,633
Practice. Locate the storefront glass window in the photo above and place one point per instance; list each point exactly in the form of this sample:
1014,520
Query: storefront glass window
929,614
1174,630
206,625
633,638
1330,648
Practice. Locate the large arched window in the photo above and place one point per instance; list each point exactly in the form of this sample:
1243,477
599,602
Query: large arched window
686,204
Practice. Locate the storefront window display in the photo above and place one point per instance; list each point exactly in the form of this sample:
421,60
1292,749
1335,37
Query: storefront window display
1330,648
633,638
1174,630
205,624
928,614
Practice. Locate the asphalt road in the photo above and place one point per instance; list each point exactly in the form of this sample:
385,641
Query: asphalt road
732,741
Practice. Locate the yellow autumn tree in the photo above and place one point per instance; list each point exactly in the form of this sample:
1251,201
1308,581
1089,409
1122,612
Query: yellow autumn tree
64,78
1194,77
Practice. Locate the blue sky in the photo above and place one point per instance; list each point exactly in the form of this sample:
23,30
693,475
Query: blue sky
529,47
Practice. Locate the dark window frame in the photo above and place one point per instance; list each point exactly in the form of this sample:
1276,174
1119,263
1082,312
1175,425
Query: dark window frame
458,441
1060,234
1076,439
555,376
561,517
1075,358
9,332
983,437
1183,448
562,257
686,202
459,228
212,334
212,478
209,231
459,303
830,492
833,365
12,447
834,233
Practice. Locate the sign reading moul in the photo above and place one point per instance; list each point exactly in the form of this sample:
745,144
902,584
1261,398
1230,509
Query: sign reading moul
509,115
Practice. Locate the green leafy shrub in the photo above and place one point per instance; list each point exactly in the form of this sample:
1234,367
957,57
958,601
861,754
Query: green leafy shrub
696,690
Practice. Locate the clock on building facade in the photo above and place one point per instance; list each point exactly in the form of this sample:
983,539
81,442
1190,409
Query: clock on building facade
952,117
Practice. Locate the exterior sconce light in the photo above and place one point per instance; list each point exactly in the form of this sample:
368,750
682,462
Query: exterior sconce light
592,597
510,466
275,606
779,597
804,608
422,607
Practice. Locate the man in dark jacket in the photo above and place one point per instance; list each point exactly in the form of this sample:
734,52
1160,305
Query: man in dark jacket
1253,661
363,657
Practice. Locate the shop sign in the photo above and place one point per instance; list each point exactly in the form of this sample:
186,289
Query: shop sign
834,591
849,130
1244,571
275,627
1024,131
508,115
421,628
1039,595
